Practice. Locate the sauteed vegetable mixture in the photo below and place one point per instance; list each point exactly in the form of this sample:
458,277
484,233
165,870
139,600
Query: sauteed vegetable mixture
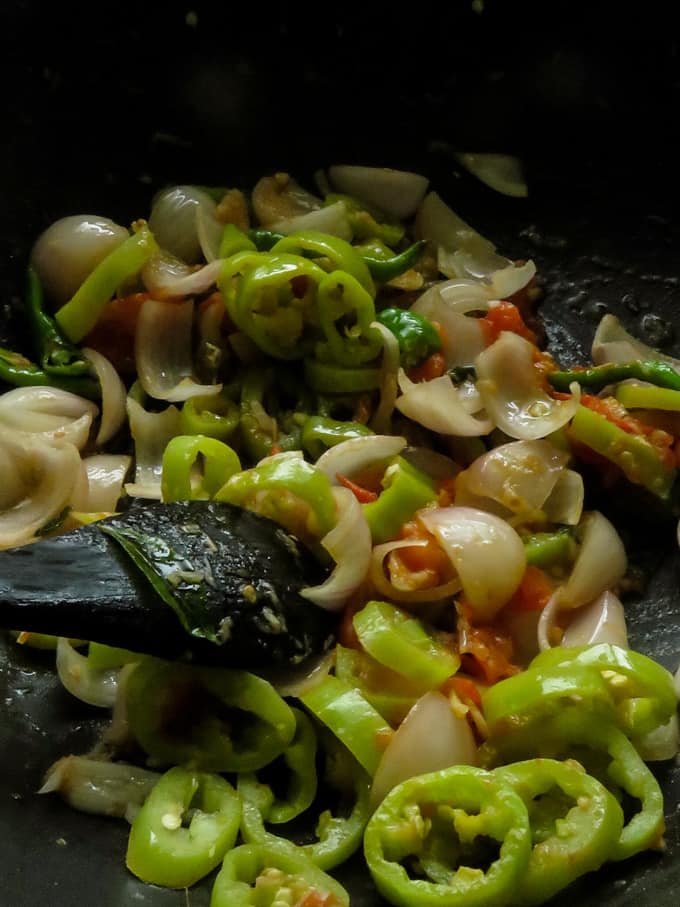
363,367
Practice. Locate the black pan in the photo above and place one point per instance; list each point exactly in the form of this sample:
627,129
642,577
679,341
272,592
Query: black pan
101,107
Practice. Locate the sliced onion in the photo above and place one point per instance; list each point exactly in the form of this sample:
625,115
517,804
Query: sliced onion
163,352
661,743
173,220
434,464
100,787
48,414
349,458
430,738
613,343
209,231
519,475
349,544
300,679
70,249
512,393
76,674
448,303
510,280
113,396
600,565
396,193
279,198
389,369
548,630
48,477
13,485
565,502
486,552
332,219
601,621
105,476
406,596
151,433
438,405
168,278
502,172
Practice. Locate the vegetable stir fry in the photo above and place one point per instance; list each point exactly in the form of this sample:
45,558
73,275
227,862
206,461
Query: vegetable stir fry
362,367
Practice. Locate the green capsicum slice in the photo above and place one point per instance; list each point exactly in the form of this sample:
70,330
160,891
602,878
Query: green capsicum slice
215,416
405,490
220,462
319,433
433,825
389,693
346,313
341,255
217,719
185,827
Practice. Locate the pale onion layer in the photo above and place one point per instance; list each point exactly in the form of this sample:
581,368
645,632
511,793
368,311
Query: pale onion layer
47,414
166,277
613,343
76,674
512,392
449,304
486,552
113,396
151,433
332,219
440,406
351,457
105,477
396,193
601,621
389,369
600,565
565,502
389,591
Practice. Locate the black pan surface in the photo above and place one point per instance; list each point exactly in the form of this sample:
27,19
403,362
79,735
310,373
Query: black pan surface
100,108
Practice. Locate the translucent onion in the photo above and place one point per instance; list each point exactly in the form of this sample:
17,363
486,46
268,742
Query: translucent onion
209,231
510,280
486,552
448,303
151,433
430,738
601,621
105,476
47,414
389,370
168,278
613,343
113,396
439,406
100,787
349,544
70,249
349,458
519,475
279,198
396,193
48,477
565,502
78,677
384,586
332,219
163,352
173,220
600,565
300,679
512,393
661,743
502,172
12,487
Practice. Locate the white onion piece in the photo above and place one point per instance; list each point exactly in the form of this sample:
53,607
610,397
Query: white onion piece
279,198
105,476
168,278
151,433
173,220
406,596
163,351
601,621
430,738
209,231
48,477
434,464
389,369
471,253
519,475
300,679
396,193
512,392
348,458
548,623
612,343
447,303
502,172
113,396
49,414
510,280
331,219
76,674
70,249
660,744
565,502
487,553
438,405
600,564
13,484
100,787
349,544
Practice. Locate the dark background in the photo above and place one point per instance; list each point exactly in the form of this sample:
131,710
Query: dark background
101,105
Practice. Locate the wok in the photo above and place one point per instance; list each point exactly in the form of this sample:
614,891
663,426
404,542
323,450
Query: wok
102,106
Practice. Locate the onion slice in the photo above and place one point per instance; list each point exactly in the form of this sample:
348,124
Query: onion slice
486,552
431,737
565,502
348,458
47,414
502,172
601,621
168,278
600,565
512,393
349,544
439,406
448,303
396,193
388,379
113,396
332,219
163,352
151,433
76,674
406,596
612,343
105,476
